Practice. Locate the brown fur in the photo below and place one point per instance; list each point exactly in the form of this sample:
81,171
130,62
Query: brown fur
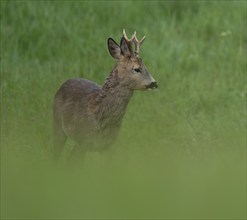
91,115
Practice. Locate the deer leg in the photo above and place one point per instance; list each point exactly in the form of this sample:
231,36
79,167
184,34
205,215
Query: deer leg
59,138
107,156
78,153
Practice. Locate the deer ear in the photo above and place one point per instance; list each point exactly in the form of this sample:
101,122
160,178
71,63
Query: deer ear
125,47
114,49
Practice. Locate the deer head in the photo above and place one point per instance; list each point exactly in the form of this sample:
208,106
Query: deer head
130,68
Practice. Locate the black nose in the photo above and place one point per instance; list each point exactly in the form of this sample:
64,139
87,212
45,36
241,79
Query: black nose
152,85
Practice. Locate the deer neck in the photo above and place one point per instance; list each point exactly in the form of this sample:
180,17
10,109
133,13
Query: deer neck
113,100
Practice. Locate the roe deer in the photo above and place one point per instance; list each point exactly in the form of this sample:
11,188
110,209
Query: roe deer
91,115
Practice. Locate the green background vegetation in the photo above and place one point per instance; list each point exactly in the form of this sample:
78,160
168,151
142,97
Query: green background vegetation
181,150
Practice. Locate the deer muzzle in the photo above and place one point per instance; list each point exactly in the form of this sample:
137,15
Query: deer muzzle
152,85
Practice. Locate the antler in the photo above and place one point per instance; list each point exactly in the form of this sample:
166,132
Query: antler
126,38
137,43
134,40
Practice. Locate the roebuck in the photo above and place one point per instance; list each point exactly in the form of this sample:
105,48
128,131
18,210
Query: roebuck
91,115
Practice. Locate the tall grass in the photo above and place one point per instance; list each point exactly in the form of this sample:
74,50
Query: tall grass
181,151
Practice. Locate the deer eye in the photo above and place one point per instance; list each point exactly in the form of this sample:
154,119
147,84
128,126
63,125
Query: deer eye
138,70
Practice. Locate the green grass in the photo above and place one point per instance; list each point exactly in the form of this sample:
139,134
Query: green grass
181,152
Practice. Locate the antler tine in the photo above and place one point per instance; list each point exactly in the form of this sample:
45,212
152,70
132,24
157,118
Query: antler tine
137,43
133,36
125,36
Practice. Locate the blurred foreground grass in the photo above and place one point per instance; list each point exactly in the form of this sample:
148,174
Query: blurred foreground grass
181,152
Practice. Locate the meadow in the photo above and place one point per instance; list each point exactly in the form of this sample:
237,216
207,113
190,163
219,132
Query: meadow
181,152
